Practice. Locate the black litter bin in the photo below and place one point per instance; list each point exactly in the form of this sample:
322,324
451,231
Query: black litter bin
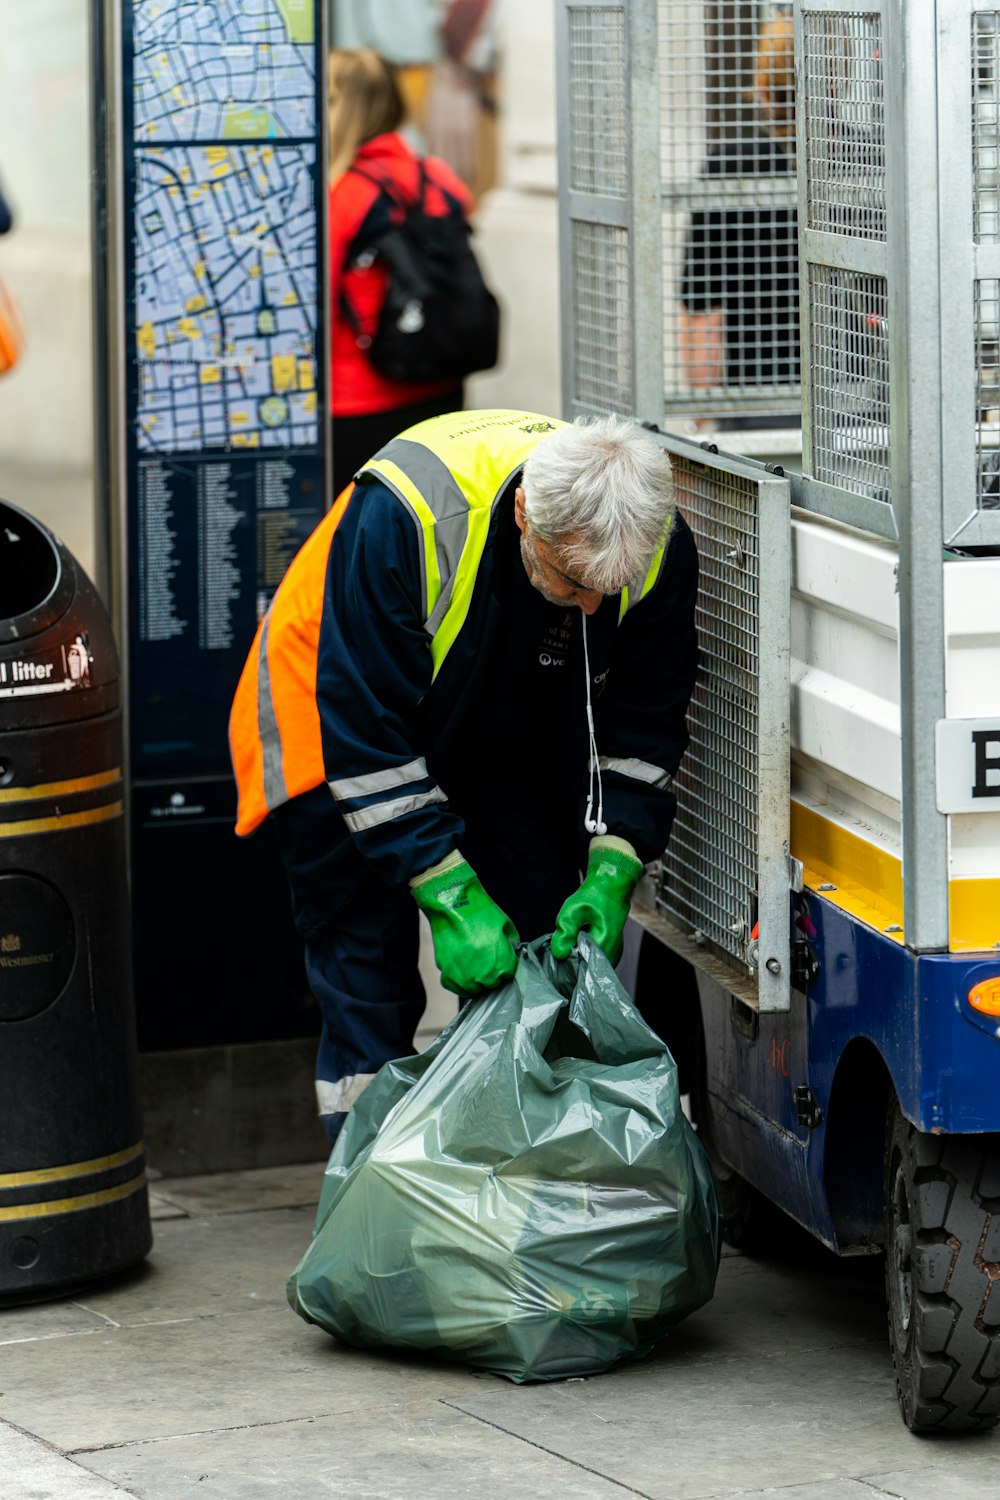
73,1203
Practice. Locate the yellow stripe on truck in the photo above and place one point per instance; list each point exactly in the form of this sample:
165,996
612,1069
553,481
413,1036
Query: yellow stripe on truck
973,915
867,881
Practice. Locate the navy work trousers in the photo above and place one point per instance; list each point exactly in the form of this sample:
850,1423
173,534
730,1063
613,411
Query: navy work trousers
363,968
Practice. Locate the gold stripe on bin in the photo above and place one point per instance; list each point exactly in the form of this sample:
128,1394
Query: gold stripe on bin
66,820
61,788
71,1169
73,1205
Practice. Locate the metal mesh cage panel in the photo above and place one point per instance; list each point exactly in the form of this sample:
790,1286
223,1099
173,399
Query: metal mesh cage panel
602,326
986,125
598,147
988,394
727,156
709,870
850,380
842,124
985,129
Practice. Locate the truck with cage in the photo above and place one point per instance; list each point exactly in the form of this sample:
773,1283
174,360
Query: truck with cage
821,940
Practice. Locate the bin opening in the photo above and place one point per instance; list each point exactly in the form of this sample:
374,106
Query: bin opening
29,564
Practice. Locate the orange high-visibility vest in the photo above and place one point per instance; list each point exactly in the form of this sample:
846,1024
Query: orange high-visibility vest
275,702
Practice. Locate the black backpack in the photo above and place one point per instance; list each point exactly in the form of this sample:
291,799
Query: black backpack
439,321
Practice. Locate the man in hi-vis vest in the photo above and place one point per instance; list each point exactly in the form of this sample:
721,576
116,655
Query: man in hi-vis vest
470,686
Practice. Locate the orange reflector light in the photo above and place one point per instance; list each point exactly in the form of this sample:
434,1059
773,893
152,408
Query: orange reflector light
986,997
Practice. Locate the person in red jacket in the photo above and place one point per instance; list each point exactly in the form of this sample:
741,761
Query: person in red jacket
366,111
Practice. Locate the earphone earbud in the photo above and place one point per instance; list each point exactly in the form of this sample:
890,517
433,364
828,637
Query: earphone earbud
594,825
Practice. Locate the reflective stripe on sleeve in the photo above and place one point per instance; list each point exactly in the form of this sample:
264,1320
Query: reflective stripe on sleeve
336,1097
379,781
639,770
386,812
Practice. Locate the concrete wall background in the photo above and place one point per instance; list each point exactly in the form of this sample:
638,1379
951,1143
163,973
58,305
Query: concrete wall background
517,230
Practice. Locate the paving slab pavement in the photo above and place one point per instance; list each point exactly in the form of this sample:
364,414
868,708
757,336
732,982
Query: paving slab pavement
190,1379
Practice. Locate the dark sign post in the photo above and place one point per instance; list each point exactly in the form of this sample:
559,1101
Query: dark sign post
217,461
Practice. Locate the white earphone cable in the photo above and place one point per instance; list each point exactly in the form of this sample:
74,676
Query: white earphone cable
590,823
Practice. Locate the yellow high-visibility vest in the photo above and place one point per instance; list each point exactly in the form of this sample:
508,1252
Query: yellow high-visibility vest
448,472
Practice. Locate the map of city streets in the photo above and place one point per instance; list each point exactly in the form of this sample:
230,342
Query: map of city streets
225,297
216,287
224,70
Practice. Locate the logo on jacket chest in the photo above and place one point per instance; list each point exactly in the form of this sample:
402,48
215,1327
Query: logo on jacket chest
556,641
555,648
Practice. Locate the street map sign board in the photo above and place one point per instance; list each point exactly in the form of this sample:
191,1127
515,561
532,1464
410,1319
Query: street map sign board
224,293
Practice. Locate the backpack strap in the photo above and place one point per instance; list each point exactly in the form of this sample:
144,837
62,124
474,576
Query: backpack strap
349,314
385,189
389,190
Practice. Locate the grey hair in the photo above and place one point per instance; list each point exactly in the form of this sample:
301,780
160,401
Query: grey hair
607,484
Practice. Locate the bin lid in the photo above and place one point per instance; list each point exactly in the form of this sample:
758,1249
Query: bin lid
58,658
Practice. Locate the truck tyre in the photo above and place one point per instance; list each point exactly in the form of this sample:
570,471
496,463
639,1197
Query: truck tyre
942,1261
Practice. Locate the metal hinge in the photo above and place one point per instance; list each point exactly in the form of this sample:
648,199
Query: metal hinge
806,1106
805,964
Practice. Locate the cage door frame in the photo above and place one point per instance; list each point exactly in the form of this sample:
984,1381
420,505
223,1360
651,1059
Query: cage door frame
611,201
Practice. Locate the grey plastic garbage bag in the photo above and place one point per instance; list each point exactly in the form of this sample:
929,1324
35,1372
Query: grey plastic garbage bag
526,1196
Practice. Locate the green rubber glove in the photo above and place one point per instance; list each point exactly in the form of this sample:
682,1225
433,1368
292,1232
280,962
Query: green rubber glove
473,939
602,902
